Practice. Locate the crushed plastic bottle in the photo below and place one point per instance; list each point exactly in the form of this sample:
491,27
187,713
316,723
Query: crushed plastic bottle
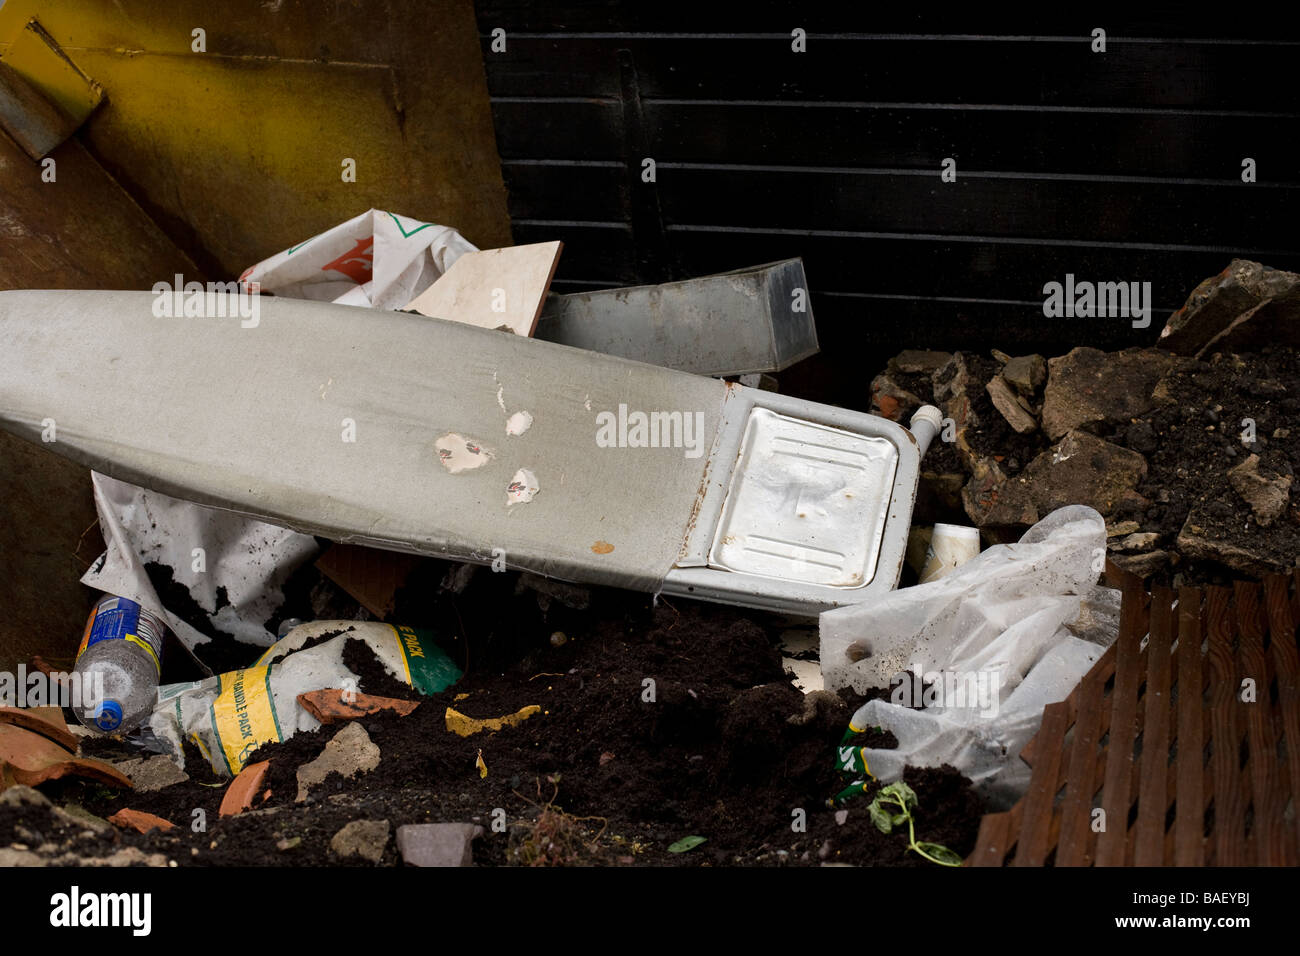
122,647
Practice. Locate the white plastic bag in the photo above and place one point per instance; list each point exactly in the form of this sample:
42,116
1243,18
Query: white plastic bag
985,649
234,567
376,260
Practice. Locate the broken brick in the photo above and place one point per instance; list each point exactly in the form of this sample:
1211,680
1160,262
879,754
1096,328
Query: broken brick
46,721
240,793
335,706
33,759
140,821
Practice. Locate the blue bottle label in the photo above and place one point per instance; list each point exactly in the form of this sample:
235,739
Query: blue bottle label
118,619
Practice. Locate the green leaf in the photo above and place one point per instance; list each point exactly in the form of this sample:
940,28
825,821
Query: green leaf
938,854
901,818
686,843
900,791
880,816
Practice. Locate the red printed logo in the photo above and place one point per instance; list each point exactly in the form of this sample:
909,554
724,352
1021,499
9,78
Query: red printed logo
356,263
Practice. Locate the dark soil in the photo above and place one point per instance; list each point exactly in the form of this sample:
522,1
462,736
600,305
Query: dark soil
1191,443
714,754
991,436
224,652
307,595
27,827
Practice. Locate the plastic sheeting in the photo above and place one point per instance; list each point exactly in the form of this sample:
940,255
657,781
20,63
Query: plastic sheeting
985,649
234,567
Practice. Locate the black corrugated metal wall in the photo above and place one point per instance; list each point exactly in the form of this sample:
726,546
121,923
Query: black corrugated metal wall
1123,165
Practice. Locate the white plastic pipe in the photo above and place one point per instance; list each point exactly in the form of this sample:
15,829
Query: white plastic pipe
925,425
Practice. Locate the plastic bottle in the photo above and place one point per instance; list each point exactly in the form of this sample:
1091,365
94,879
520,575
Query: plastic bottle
287,625
123,647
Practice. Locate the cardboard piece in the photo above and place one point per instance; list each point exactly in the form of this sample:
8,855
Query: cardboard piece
370,576
494,288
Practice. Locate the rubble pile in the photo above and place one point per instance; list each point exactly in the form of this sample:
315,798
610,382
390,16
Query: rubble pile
1186,448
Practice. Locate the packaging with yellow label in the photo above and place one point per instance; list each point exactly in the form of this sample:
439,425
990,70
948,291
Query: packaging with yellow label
230,716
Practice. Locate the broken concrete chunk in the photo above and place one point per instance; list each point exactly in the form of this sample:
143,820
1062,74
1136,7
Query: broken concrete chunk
153,773
964,420
349,753
991,498
919,361
1026,373
1267,496
1082,469
1006,402
364,838
1143,565
1272,322
437,844
945,486
73,814
1199,543
1218,302
1122,529
1088,386
19,797
1139,542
